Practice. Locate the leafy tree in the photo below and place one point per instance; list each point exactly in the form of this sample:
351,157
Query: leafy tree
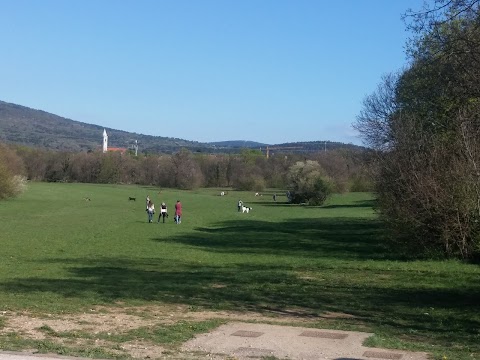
187,172
110,168
35,161
425,126
85,167
308,183
12,181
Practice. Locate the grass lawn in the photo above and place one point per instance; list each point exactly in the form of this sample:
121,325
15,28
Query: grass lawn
62,254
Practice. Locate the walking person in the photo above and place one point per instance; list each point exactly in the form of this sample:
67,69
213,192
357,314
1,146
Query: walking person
163,212
178,212
150,211
275,197
240,204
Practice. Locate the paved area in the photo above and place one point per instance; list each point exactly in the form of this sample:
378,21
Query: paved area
248,341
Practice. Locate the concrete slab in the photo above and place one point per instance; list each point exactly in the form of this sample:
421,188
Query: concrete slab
287,342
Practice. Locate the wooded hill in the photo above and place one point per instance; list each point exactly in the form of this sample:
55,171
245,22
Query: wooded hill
37,128
26,126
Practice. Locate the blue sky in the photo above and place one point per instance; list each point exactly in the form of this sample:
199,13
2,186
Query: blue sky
271,71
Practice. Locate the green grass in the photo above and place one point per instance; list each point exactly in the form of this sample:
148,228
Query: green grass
61,253
164,334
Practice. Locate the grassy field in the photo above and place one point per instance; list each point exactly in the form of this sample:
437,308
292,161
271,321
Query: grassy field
62,254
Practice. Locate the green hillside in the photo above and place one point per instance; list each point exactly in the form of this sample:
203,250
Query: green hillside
37,128
26,126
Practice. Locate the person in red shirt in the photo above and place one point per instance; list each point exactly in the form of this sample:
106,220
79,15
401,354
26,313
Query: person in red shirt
178,212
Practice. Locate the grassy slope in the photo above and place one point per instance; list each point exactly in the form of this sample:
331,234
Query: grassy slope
62,253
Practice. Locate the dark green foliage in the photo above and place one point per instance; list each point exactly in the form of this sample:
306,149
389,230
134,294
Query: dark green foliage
425,125
316,195
308,183
250,170
252,182
12,182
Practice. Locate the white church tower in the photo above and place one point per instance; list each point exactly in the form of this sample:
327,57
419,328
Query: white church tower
105,141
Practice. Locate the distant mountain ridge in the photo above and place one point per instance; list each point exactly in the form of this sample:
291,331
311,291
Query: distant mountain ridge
238,144
37,128
26,126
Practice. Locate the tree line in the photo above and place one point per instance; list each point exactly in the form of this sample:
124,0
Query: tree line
344,170
424,123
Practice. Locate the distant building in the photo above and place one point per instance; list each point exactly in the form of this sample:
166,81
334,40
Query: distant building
105,141
114,149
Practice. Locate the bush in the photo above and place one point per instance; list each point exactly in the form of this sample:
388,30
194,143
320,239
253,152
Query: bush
308,183
11,183
314,196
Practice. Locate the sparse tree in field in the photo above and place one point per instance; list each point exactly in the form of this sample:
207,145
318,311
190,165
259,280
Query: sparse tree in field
12,179
308,183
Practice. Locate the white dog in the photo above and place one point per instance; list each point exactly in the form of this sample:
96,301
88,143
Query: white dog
246,209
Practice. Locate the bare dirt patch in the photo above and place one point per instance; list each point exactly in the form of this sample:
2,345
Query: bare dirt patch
82,329
121,331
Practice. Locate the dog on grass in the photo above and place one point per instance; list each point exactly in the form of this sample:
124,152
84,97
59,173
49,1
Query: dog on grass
246,209
132,198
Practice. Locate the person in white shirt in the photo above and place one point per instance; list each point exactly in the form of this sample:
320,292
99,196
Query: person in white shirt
150,211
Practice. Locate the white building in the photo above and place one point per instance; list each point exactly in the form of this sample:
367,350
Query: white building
105,141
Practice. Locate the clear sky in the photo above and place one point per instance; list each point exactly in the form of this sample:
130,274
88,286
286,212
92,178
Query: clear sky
271,71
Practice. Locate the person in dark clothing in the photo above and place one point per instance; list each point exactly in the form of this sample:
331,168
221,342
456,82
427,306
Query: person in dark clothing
163,212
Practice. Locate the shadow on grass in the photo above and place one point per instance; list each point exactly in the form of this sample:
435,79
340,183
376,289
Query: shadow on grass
271,289
335,265
356,204
337,238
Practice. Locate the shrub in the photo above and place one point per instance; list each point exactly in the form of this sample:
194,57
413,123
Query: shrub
308,183
12,182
